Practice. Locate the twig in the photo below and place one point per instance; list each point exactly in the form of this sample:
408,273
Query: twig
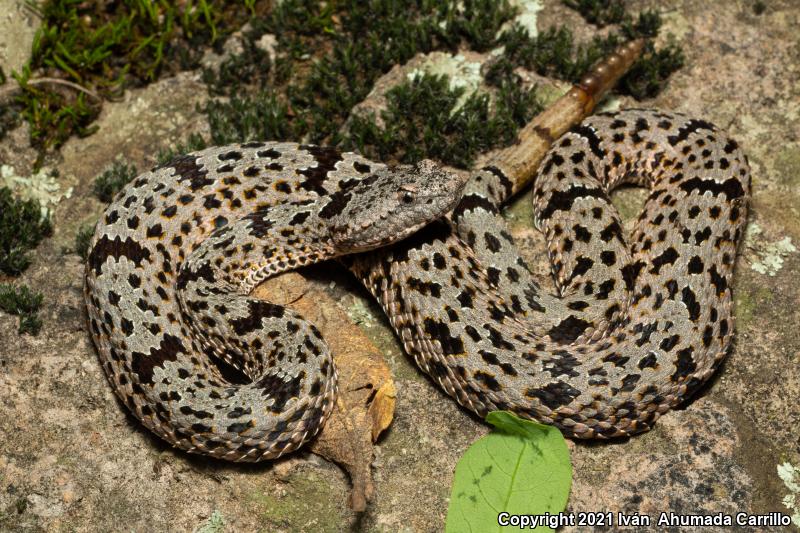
6,92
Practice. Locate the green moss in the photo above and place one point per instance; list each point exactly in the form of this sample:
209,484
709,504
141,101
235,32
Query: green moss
554,53
82,239
253,65
759,7
749,301
21,229
9,112
421,121
193,143
309,503
104,50
599,12
261,116
551,53
330,55
23,302
648,76
110,182
787,165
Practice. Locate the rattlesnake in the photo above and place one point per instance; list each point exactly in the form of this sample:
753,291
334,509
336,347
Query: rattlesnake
178,250
633,331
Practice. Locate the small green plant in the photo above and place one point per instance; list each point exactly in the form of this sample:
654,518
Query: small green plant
105,50
21,229
554,53
261,116
23,302
194,142
422,120
110,182
252,65
521,468
599,12
214,524
82,239
648,76
360,41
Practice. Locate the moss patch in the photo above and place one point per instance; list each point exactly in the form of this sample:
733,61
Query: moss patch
21,229
787,165
113,179
328,58
306,503
749,299
555,53
105,50
24,303
422,120
599,12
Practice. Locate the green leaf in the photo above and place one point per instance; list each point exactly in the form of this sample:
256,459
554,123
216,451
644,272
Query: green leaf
521,467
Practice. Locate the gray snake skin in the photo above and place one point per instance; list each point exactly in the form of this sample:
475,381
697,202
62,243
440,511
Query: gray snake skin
634,329
176,254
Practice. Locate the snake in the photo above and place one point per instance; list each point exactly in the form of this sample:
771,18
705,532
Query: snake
176,254
636,325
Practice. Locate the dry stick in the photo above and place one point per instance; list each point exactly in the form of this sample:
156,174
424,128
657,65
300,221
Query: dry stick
520,161
6,92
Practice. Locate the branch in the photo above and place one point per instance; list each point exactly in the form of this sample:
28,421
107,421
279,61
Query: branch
6,92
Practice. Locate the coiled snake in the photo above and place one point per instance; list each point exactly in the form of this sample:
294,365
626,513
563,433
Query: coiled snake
634,328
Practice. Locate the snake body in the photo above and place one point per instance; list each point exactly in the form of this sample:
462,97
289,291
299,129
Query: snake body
633,330
177,252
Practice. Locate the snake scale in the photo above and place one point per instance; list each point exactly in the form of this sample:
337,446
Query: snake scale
636,326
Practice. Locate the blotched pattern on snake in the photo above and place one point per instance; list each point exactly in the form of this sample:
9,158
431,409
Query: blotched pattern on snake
633,330
176,254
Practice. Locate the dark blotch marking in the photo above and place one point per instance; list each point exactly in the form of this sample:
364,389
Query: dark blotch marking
685,365
143,364
732,187
116,248
492,243
187,169
690,127
690,300
568,329
441,332
563,200
668,257
648,361
233,155
695,265
257,310
473,202
326,158
591,137
361,167
487,380
554,395
279,390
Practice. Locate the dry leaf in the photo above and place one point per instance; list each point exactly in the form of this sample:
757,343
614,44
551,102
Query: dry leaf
365,405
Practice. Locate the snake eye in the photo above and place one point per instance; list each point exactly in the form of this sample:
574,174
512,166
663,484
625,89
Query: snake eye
407,197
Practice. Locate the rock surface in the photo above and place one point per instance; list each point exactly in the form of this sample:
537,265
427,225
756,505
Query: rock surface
71,458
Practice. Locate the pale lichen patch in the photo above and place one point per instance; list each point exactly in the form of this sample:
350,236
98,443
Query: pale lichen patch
41,186
790,475
769,256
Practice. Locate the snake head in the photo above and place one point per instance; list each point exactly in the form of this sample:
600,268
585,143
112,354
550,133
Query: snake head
390,205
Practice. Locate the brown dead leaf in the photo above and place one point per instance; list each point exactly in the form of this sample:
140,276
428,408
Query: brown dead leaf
365,405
